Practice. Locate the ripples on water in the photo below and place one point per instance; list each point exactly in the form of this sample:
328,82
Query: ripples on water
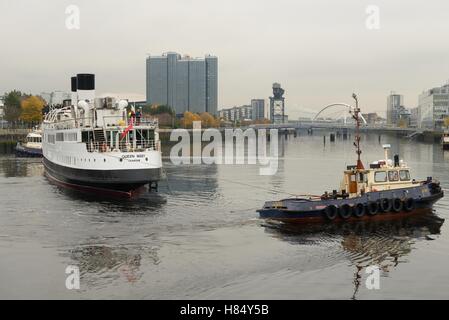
200,237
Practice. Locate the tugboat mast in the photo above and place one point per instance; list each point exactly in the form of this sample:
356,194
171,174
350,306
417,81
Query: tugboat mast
356,116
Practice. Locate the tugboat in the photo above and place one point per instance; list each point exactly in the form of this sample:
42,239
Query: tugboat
32,146
93,145
386,188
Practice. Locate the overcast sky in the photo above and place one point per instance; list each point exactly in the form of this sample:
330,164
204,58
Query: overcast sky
320,51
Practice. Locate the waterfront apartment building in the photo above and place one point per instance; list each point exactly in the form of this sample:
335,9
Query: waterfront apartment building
258,109
183,83
237,114
2,106
55,98
433,107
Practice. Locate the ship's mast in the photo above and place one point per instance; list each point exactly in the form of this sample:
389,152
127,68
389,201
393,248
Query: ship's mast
356,116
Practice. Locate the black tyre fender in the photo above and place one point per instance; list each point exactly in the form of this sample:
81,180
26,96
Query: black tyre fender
358,210
409,204
345,211
385,205
331,212
397,205
373,208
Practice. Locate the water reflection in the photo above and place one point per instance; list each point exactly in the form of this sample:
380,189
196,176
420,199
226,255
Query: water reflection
20,167
366,243
111,263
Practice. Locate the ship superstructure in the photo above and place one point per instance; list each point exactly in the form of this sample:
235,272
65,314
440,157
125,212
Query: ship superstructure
94,144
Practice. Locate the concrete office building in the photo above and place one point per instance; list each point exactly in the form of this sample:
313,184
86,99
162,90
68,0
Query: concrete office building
183,83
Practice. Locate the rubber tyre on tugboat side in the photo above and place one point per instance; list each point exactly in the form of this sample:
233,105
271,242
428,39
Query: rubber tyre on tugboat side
373,208
331,212
385,205
397,205
409,204
345,211
358,210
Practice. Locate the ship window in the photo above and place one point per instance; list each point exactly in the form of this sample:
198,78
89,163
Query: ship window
404,175
380,176
363,177
393,176
59,136
51,138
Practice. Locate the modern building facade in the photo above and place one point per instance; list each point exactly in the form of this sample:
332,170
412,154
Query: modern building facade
394,104
2,106
277,105
258,109
183,83
237,114
433,107
55,98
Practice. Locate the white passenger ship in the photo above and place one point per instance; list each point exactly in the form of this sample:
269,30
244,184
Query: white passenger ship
91,144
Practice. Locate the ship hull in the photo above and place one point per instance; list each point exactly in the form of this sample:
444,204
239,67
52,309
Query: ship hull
297,210
102,181
22,151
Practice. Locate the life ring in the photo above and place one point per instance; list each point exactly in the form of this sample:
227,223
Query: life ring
385,205
409,204
373,208
331,212
397,205
358,210
345,211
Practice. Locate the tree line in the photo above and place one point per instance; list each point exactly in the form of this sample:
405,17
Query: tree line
24,107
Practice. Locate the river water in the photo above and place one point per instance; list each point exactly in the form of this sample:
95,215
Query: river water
201,238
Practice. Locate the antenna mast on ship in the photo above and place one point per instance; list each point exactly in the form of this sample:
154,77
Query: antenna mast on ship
356,116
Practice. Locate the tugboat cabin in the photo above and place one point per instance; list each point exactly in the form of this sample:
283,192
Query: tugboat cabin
382,175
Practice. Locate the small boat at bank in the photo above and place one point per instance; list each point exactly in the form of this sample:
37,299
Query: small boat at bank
385,189
32,146
445,140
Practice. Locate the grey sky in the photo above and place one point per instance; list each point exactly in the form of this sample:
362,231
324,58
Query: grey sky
321,51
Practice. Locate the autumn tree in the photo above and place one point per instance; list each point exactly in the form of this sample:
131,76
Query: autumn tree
402,123
32,109
208,120
446,122
12,107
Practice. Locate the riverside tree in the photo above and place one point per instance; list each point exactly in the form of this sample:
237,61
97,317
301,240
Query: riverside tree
12,107
32,109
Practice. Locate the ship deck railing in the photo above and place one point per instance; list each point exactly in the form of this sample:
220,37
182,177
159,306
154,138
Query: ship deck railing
108,121
123,146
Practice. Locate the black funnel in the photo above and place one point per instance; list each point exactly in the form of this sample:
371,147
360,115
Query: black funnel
74,84
85,81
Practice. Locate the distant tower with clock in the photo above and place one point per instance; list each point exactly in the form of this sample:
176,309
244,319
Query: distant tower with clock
277,105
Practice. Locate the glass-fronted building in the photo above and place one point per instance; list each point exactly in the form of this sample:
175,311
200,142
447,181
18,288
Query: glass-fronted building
258,109
183,83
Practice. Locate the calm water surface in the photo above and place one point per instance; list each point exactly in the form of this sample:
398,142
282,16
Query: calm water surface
201,238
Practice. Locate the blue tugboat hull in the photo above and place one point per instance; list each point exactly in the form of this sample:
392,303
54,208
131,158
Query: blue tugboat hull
396,202
25,152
